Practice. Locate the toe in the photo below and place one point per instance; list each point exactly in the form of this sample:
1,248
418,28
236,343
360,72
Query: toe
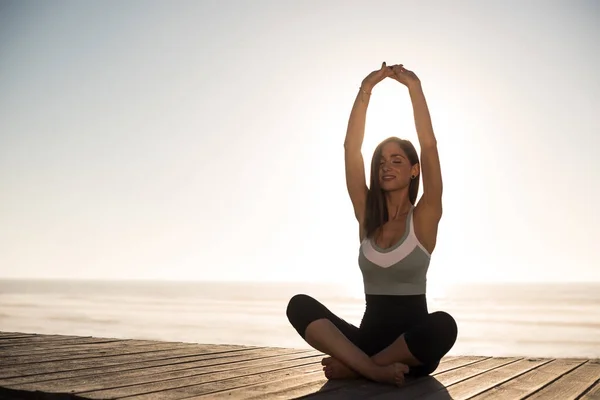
326,361
403,368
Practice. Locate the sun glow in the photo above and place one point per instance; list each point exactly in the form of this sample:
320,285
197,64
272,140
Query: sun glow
144,193
389,114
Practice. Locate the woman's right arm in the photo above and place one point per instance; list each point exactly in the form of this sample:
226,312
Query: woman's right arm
355,167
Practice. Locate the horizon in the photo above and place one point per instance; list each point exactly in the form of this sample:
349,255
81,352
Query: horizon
294,282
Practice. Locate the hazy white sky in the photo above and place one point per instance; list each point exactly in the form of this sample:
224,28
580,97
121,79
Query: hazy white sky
203,139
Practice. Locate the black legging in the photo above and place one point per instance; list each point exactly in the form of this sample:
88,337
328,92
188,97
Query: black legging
428,336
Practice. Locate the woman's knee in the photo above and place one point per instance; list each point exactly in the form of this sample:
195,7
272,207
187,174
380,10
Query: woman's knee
297,304
432,339
301,311
446,326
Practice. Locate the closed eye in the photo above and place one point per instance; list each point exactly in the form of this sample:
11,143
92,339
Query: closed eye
398,161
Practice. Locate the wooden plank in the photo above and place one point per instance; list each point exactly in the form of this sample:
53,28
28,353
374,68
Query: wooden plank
237,386
262,357
291,387
75,341
46,339
362,388
571,385
36,352
9,360
102,368
7,333
473,369
309,385
142,364
593,393
301,391
192,383
524,385
70,348
26,362
450,363
351,390
294,391
4,336
439,382
69,365
480,383
24,349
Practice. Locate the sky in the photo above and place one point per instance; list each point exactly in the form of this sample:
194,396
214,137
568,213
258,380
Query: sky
203,140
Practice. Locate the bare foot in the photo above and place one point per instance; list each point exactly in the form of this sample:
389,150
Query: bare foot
393,374
335,369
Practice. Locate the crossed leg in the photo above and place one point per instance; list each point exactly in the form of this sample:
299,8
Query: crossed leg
331,335
429,342
397,352
420,348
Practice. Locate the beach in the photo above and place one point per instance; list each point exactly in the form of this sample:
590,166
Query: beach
541,320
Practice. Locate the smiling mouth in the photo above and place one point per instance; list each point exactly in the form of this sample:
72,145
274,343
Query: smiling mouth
388,177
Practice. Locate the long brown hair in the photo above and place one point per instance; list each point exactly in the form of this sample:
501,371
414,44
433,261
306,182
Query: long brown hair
376,212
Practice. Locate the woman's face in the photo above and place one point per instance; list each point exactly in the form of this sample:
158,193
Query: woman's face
394,168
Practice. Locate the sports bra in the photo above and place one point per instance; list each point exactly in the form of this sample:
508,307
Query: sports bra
398,270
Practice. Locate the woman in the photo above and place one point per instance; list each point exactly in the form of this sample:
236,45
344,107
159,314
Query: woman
397,335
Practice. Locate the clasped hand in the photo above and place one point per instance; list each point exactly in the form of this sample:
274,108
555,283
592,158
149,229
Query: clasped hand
396,72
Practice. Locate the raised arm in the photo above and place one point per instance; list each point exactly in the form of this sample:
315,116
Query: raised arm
355,167
430,204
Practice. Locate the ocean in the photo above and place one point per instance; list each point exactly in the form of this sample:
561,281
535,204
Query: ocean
533,320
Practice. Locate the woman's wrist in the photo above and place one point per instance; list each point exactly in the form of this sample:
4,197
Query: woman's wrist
365,89
415,86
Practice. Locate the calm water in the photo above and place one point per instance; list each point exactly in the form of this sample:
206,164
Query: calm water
551,320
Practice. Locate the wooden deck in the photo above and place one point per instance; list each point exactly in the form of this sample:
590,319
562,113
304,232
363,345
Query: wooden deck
70,367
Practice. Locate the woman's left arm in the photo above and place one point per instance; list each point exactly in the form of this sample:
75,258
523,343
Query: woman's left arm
430,161
430,203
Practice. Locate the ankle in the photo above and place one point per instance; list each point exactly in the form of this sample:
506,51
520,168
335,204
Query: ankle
378,361
373,371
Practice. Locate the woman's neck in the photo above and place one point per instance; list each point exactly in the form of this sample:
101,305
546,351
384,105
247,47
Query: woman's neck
398,204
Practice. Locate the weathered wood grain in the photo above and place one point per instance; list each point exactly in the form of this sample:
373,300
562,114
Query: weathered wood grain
88,353
307,384
8,335
69,365
176,361
593,393
296,385
72,348
487,380
570,385
363,388
72,367
261,357
24,343
190,383
530,382
440,382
